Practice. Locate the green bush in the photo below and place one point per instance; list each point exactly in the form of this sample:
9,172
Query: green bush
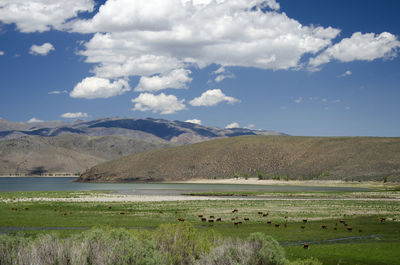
183,243
258,249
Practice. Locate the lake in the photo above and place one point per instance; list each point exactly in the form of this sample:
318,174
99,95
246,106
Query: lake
67,184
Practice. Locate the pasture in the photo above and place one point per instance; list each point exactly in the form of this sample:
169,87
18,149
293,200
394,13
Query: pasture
338,227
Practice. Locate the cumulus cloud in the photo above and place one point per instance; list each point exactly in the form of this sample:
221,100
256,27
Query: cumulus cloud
41,15
74,115
175,79
134,38
195,121
1,53
211,98
232,125
43,49
365,47
95,87
34,120
164,104
57,92
347,73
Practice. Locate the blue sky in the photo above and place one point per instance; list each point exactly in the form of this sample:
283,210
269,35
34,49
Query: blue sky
306,67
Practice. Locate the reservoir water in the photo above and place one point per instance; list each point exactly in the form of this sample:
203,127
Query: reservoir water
67,184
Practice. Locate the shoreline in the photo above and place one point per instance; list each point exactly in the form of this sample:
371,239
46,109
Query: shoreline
249,181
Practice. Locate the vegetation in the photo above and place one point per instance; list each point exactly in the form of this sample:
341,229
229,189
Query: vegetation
170,244
281,157
63,220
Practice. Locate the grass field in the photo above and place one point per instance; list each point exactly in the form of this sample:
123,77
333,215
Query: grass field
369,242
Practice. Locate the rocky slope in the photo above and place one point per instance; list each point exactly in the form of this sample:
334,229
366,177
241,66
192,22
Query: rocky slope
351,158
68,153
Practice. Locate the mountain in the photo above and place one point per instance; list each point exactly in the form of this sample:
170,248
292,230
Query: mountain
150,130
346,158
66,153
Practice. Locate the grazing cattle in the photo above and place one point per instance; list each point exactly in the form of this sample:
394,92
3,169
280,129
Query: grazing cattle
277,225
305,246
324,226
335,228
260,212
302,227
161,212
345,224
360,230
122,213
200,215
180,219
109,207
349,228
265,214
55,209
211,221
342,221
212,217
235,210
236,223
240,222
219,219
247,219
304,220
26,209
286,217
203,219
382,219
65,214
269,222
233,218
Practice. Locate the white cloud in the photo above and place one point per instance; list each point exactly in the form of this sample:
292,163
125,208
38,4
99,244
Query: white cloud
1,53
347,108
43,49
57,92
365,47
338,100
95,87
195,121
175,79
74,115
138,39
324,100
250,126
34,120
298,100
347,73
41,15
283,108
222,74
232,125
211,98
164,104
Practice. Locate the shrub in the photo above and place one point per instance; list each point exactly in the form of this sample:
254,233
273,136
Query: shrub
258,249
182,243
261,175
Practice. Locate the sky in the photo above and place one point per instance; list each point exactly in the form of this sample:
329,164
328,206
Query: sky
304,67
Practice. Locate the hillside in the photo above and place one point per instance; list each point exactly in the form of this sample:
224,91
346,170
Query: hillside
349,158
68,153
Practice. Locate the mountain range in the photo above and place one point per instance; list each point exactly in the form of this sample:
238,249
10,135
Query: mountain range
58,147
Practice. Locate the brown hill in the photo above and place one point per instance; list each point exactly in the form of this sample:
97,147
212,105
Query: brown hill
299,157
69,153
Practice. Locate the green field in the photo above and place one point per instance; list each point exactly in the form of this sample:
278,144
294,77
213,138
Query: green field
369,242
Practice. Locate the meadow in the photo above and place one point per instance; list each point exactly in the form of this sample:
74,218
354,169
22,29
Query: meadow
322,220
